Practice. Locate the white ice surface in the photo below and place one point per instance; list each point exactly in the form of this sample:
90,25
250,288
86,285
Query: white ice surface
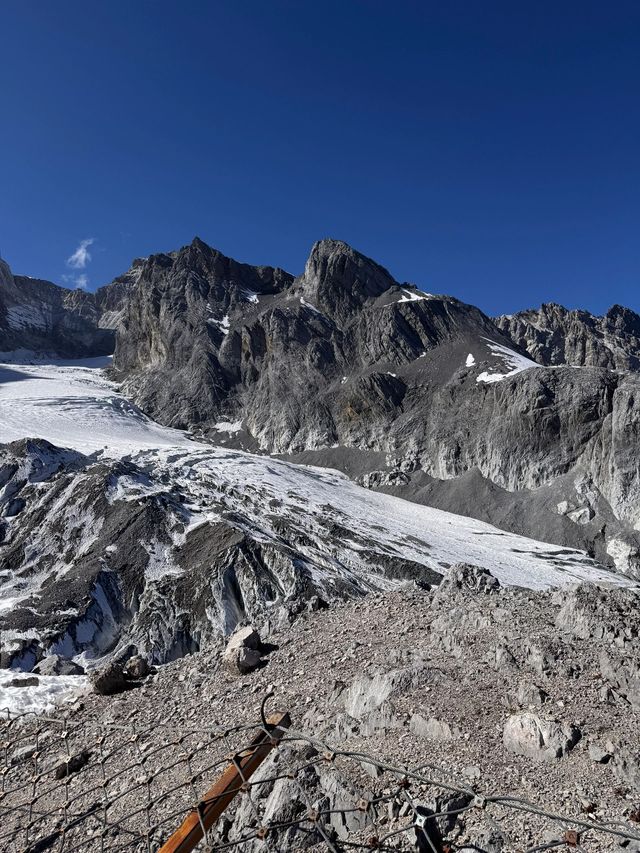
71,404
51,690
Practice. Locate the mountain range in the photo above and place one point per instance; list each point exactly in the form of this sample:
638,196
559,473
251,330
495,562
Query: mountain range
116,528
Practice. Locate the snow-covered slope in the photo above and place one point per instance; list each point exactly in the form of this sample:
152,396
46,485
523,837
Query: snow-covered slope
71,404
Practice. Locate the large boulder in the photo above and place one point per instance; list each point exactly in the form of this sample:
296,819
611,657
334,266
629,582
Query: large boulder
109,679
622,672
136,667
56,665
465,577
242,653
541,739
246,637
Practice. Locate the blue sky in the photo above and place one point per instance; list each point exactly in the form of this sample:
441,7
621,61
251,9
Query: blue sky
490,150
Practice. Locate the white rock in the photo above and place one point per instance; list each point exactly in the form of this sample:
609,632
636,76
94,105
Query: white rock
538,738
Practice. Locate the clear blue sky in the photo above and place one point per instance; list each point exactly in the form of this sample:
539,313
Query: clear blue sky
490,150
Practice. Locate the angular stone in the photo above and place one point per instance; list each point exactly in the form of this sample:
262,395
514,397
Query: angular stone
109,679
247,637
242,659
433,728
598,754
29,681
537,738
137,667
531,694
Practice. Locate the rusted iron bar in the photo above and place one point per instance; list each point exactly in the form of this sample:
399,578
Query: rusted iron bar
218,797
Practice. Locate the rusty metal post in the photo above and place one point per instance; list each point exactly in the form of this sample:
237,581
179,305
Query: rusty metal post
222,792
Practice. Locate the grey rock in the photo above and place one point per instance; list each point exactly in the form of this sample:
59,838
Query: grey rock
246,637
242,659
40,316
56,665
504,659
622,672
626,764
554,335
367,694
529,694
472,772
485,841
28,681
433,728
72,765
108,679
598,754
537,738
137,667
22,754
466,577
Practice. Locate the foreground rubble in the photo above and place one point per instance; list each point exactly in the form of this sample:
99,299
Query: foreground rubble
498,691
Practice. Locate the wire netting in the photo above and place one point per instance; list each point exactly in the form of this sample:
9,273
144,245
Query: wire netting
71,786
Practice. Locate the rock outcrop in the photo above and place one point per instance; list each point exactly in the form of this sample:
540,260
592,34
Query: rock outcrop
553,335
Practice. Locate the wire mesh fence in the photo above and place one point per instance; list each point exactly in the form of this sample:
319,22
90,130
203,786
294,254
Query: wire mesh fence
259,786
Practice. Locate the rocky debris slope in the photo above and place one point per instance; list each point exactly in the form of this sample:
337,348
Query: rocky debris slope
41,317
494,690
554,335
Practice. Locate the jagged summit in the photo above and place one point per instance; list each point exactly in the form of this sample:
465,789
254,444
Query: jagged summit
555,335
339,279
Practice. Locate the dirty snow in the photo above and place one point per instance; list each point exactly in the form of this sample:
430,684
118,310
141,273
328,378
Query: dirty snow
510,359
228,426
414,296
72,404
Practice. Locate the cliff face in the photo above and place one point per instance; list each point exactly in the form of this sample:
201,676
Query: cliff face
40,316
327,357
553,335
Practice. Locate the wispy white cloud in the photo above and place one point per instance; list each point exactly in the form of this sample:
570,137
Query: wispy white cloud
80,281
81,257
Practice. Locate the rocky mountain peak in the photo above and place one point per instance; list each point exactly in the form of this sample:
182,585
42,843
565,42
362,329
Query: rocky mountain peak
338,279
624,319
43,317
7,282
554,335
